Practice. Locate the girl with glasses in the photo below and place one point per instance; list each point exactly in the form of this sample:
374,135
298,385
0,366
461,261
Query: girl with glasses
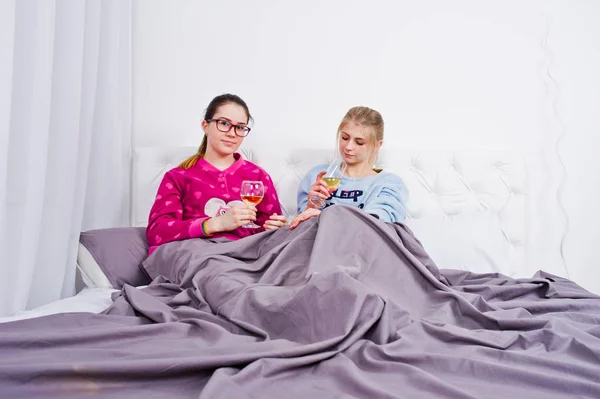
383,195
202,197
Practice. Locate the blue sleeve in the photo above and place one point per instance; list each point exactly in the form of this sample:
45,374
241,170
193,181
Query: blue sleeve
389,200
305,183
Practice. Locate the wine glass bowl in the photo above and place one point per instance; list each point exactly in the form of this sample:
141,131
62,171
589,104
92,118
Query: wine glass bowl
332,177
252,192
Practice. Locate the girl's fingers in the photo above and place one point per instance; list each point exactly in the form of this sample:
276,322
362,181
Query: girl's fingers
272,225
249,213
294,223
321,188
307,214
246,219
277,220
319,192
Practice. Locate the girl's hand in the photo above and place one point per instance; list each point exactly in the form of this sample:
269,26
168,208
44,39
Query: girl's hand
318,189
275,221
235,217
307,214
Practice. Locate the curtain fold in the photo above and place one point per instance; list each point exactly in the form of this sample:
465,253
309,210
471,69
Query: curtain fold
65,112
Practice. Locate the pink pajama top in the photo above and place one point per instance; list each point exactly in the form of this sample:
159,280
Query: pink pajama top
186,198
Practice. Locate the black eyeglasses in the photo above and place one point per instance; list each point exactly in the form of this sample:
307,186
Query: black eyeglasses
225,126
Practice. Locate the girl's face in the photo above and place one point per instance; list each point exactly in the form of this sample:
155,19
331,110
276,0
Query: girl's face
355,144
228,116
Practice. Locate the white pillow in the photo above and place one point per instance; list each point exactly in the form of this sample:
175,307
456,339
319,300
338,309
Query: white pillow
471,241
91,273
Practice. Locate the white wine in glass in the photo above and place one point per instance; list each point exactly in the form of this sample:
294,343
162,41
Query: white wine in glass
252,192
332,182
333,177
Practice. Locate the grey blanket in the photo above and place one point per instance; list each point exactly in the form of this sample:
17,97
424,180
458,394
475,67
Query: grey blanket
342,307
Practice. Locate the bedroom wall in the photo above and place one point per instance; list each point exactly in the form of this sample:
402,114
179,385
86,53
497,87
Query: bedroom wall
466,75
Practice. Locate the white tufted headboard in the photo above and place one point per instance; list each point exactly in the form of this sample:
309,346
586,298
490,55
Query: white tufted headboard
440,183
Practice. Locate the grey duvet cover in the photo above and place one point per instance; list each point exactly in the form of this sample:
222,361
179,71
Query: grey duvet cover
342,307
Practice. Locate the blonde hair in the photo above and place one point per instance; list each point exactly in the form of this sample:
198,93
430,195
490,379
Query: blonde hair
191,161
368,118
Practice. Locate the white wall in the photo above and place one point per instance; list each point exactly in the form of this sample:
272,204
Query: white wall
576,70
470,74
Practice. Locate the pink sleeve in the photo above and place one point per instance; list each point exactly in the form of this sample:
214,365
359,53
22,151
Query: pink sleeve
270,203
165,223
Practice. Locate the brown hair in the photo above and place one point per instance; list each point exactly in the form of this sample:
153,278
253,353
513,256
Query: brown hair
210,112
368,118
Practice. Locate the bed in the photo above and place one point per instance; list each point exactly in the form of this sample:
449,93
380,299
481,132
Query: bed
476,198
456,313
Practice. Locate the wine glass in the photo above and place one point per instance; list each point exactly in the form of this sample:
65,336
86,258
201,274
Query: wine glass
332,177
252,192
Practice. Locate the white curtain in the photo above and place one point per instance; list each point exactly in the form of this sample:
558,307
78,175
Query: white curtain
65,138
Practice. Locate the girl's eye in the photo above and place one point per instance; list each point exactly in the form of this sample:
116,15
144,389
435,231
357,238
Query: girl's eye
224,123
345,138
359,143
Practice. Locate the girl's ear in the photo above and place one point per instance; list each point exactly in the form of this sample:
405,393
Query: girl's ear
379,144
205,126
